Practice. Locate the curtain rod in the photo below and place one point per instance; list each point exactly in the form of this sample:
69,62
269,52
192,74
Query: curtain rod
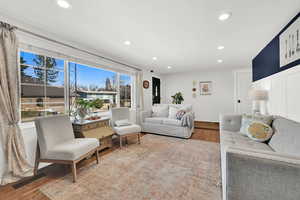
73,47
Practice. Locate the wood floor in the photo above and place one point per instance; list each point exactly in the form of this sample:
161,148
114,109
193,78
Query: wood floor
29,189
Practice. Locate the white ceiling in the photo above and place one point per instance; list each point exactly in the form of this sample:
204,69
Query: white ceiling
183,34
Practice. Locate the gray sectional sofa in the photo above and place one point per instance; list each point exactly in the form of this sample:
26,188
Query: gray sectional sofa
260,171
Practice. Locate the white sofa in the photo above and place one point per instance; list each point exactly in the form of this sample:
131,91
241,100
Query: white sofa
164,125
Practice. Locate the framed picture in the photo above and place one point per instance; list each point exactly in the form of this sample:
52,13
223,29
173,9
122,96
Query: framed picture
289,44
205,88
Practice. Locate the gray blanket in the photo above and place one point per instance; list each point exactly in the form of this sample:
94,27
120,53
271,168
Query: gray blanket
188,120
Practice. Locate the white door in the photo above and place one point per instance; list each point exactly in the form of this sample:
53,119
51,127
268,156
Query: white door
243,81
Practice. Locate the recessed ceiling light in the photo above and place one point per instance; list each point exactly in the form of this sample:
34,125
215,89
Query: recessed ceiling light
154,58
224,16
220,47
220,61
169,67
63,4
127,43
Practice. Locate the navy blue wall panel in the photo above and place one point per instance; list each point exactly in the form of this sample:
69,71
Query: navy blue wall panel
266,63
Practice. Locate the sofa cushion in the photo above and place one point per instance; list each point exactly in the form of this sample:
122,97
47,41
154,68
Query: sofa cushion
286,137
172,122
173,111
236,139
154,120
160,110
259,131
248,119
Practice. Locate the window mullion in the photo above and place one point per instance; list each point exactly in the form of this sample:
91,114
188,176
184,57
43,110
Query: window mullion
118,90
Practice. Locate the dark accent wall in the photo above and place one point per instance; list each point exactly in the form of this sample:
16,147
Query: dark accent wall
266,63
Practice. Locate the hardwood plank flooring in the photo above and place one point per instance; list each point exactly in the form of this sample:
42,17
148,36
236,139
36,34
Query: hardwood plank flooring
30,191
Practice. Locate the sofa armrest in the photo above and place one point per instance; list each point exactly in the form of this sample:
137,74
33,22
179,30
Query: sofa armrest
145,114
230,122
261,175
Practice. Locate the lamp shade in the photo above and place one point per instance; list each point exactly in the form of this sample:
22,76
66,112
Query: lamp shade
258,95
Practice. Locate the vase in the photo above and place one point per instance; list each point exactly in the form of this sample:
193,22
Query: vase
82,112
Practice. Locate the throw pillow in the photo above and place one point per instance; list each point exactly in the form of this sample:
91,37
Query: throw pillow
259,131
160,111
248,119
173,111
123,122
180,114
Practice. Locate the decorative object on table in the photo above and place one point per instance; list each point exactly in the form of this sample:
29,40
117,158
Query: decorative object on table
248,119
177,98
99,129
146,84
205,88
259,98
84,107
259,131
289,44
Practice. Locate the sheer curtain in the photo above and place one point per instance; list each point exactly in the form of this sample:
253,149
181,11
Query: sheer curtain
139,95
16,166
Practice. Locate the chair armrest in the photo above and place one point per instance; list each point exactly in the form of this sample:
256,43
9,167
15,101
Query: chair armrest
230,122
145,114
261,175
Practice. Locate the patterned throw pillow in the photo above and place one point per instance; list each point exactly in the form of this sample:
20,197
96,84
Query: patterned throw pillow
259,131
180,114
248,119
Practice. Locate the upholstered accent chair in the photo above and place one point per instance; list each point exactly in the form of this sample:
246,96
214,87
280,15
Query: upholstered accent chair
126,130
57,143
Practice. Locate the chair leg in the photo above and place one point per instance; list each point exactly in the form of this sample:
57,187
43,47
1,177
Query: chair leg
97,156
126,140
73,165
37,160
120,137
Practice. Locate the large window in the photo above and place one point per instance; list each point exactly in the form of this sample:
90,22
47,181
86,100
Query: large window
47,88
92,83
42,86
125,90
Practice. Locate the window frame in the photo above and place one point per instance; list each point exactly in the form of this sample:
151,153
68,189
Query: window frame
48,53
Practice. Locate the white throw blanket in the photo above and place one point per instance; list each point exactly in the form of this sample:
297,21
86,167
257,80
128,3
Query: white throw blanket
188,120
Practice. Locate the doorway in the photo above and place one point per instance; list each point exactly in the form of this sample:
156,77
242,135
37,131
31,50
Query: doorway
243,83
155,90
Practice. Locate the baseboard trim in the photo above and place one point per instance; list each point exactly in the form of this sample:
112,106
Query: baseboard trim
206,125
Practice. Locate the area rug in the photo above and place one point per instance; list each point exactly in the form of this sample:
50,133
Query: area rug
161,168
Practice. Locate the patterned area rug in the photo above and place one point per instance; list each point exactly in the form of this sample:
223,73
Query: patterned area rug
161,168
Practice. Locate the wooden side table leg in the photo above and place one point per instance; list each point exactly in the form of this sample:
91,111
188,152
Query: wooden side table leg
97,156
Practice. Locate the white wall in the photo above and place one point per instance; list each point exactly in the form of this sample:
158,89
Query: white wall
284,93
206,107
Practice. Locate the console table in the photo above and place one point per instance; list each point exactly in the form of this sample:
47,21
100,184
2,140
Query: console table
99,129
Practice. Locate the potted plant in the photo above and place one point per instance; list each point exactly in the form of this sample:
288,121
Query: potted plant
177,98
84,107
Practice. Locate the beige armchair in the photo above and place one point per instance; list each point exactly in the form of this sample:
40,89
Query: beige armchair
124,131
57,144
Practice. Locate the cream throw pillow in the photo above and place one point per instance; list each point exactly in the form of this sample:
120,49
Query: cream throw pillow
160,111
259,131
172,112
248,119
